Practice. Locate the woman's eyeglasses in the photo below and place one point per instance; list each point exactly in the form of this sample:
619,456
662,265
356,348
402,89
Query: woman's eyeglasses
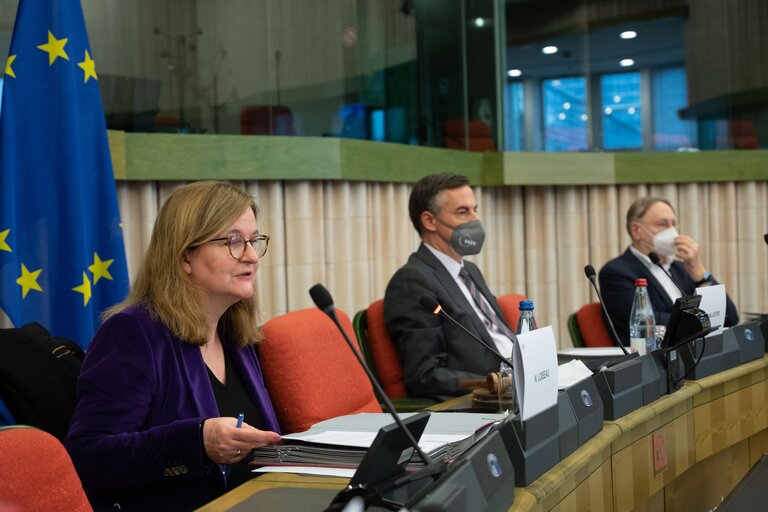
237,244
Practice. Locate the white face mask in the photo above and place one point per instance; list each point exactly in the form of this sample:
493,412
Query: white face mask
664,242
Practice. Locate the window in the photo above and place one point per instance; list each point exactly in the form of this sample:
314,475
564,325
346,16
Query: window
622,127
565,115
515,117
669,94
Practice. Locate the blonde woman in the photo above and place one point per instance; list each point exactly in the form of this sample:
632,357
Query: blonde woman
173,365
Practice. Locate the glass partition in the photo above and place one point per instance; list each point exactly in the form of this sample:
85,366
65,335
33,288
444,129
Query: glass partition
684,75
484,75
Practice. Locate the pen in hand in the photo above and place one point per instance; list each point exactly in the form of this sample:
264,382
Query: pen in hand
240,418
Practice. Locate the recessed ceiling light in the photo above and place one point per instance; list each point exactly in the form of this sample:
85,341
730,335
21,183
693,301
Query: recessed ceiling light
479,22
626,63
628,34
549,50
566,105
608,111
584,117
561,116
514,73
617,98
631,111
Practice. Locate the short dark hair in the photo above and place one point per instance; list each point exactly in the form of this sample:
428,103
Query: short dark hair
424,196
639,208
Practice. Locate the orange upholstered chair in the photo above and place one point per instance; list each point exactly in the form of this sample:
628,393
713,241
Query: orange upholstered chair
388,366
594,330
478,132
266,120
510,306
37,473
310,372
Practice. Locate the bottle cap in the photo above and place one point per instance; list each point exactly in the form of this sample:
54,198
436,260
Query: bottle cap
641,281
526,305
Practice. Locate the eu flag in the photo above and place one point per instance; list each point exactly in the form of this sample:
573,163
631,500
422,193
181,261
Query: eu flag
62,259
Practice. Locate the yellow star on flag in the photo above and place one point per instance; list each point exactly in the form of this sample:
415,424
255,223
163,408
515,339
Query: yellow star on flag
89,67
100,268
8,64
3,244
28,281
85,289
54,48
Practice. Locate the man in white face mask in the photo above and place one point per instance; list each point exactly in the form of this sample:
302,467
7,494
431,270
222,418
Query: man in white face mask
436,354
652,226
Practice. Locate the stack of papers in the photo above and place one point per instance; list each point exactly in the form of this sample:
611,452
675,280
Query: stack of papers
342,442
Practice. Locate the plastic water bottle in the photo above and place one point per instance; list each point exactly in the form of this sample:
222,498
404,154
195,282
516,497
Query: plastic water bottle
642,324
527,322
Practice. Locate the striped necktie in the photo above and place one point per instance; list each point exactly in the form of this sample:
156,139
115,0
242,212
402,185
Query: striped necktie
485,308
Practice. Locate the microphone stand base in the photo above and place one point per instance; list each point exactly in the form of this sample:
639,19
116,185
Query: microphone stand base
621,387
534,444
481,479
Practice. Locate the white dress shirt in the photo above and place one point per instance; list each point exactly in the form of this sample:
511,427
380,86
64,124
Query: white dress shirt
503,344
663,279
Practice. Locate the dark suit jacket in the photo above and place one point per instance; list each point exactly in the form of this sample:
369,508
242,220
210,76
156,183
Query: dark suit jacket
135,435
436,354
617,285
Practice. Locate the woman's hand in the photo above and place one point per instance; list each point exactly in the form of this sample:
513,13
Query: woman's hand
226,444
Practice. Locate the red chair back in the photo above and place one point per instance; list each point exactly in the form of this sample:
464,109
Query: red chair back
384,352
456,130
266,120
594,330
37,473
510,307
310,372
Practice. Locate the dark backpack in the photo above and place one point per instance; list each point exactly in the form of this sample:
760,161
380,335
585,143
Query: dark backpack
38,377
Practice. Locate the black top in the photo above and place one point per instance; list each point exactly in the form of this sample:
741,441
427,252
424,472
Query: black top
232,399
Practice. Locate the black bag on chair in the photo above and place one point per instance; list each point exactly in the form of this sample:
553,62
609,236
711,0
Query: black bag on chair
38,377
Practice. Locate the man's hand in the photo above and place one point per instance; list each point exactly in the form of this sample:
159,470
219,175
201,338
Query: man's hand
687,250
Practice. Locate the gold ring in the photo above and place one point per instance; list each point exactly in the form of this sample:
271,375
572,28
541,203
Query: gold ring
238,453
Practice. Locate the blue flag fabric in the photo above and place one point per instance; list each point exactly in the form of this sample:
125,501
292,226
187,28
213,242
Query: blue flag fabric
62,259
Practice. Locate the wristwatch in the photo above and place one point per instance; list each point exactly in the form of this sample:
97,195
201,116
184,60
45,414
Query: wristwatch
707,278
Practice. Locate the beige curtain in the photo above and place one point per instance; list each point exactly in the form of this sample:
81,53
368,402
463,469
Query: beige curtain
352,236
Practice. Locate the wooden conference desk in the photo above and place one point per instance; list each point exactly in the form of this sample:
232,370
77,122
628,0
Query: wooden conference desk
703,439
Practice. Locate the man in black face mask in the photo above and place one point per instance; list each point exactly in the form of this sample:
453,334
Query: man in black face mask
436,354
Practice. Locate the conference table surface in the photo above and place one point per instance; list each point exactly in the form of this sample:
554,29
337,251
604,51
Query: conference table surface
668,455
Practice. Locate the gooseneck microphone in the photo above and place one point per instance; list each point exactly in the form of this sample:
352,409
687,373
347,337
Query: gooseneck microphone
589,271
430,304
657,261
323,300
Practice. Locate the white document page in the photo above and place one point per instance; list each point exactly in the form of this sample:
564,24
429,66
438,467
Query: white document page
307,470
572,372
535,371
713,303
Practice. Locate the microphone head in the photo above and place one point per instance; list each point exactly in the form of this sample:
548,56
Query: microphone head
654,258
429,303
321,297
765,237
589,271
